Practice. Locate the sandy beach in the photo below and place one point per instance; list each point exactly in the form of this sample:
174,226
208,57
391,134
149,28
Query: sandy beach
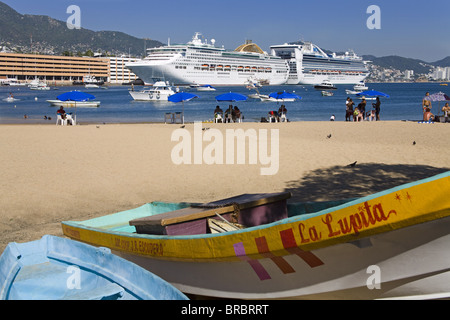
51,174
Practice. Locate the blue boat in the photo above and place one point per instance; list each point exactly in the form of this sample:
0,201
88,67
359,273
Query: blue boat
54,268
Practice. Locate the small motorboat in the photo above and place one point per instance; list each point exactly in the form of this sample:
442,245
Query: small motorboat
54,268
91,86
74,104
357,88
327,93
10,98
325,85
75,99
160,91
206,87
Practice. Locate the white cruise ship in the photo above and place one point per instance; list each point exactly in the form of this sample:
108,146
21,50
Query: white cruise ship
308,64
199,62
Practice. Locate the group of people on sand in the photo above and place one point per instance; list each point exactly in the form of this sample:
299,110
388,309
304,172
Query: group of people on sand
231,114
352,113
359,113
426,108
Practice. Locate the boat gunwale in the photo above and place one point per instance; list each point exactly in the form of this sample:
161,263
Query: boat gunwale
293,219
256,231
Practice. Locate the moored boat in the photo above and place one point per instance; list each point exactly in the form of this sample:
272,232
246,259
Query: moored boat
358,88
160,91
325,85
206,87
327,93
54,268
74,104
351,249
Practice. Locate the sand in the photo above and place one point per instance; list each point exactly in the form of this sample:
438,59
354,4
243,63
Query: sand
51,174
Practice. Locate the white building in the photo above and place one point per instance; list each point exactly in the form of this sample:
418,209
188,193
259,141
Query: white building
409,74
441,73
119,73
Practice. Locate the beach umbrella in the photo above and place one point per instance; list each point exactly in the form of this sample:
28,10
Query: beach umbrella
182,97
231,97
439,96
75,96
284,95
373,93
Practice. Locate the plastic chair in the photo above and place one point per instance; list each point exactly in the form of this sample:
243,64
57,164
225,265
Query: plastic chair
60,121
71,119
283,117
273,116
179,116
169,117
218,117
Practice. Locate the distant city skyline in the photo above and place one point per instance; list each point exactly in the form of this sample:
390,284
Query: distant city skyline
412,29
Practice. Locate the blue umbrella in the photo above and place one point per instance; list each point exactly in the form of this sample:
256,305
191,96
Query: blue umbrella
182,97
75,96
232,97
373,93
284,95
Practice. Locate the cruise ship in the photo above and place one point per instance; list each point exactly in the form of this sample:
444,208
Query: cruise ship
200,62
310,65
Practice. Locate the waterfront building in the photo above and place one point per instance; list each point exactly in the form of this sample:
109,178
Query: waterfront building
118,72
53,69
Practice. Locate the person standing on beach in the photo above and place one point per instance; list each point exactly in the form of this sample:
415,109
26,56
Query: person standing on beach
376,106
362,108
426,103
349,109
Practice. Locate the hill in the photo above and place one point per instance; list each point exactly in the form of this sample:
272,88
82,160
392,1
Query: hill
43,34
402,64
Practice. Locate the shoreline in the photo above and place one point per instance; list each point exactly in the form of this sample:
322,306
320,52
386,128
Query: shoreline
93,123
53,174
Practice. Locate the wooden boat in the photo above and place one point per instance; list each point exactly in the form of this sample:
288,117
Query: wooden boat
54,268
393,244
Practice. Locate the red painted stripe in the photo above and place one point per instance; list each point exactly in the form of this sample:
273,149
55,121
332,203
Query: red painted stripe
280,262
255,264
289,243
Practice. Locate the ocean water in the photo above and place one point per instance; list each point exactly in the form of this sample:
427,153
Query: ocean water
117,106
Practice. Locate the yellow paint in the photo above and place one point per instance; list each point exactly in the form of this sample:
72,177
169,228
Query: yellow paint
395,210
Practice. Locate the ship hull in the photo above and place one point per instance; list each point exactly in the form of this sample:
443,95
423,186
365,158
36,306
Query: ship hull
149,72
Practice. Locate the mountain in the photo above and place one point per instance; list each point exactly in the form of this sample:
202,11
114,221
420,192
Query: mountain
402,64
442,63
27,33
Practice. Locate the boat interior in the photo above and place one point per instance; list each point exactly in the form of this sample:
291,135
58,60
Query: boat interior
173,219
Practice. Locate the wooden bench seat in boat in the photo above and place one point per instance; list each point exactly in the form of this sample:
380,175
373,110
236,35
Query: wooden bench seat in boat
249,209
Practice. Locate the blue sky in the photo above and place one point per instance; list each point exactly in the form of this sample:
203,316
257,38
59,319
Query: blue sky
413,29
